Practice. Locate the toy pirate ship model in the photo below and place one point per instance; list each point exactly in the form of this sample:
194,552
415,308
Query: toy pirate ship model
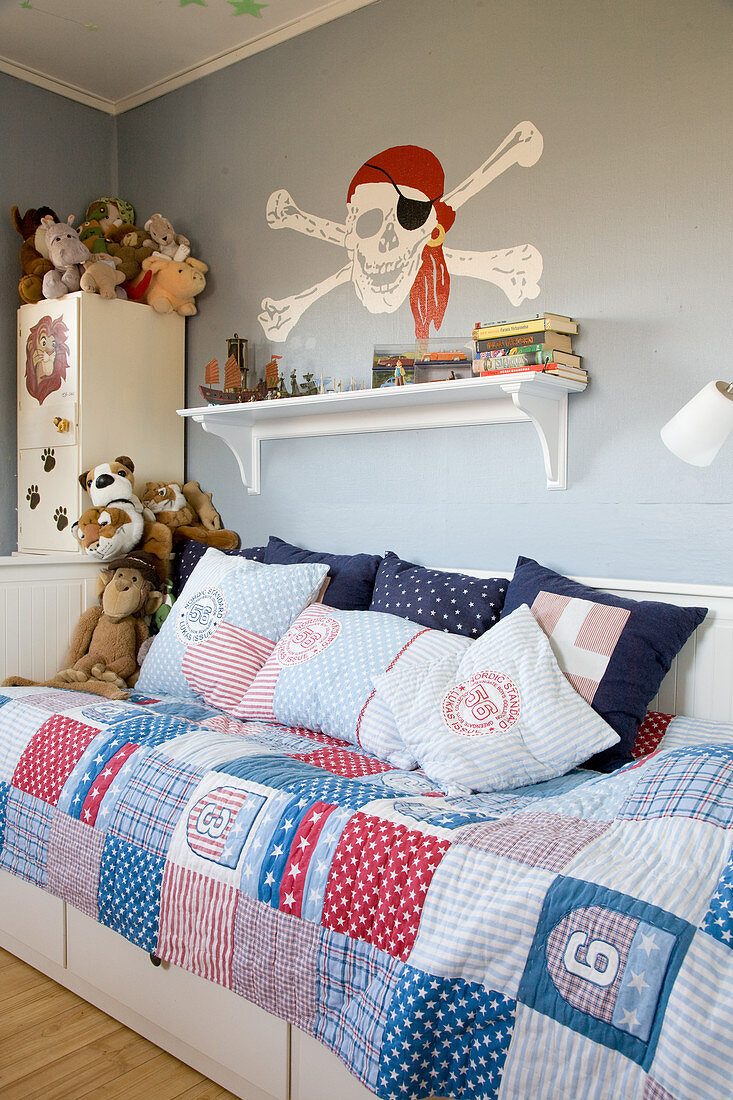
235,377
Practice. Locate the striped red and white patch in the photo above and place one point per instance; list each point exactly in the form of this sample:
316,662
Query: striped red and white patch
223,667
583,636
197,923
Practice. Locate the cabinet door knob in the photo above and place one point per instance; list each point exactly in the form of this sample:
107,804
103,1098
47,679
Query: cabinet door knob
61,424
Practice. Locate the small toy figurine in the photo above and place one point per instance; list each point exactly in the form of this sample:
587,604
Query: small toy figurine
308,386
399,374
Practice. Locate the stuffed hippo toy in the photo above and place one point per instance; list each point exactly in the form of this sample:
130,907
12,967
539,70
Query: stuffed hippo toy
101,276
165,239
67,253
171,286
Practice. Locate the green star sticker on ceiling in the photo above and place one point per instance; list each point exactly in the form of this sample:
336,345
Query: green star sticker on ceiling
246,7
185,3
26,4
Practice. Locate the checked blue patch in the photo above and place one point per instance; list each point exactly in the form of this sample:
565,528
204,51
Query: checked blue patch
444,1037
693,783
129,892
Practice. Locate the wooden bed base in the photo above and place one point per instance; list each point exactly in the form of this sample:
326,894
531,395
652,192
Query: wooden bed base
253,1054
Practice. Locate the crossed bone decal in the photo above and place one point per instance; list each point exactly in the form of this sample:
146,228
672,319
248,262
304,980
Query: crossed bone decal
384,256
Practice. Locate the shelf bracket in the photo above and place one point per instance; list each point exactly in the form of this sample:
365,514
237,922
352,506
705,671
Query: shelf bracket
550,419
244,444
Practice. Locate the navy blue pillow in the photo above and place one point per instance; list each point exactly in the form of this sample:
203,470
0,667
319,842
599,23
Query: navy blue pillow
190,552
352,575
445,601
614,651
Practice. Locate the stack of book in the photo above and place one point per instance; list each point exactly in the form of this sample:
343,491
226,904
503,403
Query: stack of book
541,343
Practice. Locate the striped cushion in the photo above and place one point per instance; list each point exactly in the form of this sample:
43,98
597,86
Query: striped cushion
503,716
224,627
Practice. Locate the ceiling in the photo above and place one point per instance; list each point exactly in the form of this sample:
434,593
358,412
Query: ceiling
116,54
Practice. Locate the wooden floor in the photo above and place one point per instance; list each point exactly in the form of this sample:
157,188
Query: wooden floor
55,1046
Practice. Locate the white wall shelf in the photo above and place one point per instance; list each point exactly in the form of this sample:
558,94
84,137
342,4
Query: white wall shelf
540,399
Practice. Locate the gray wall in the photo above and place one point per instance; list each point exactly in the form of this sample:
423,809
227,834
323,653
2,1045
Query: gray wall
629,206
56,153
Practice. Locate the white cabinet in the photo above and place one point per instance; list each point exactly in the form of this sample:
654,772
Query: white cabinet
96,379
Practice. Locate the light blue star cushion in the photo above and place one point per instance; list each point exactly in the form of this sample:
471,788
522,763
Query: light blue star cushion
503,716
224,627
321,675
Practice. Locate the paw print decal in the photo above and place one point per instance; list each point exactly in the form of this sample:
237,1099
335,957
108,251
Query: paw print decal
61,519
33,496
48,459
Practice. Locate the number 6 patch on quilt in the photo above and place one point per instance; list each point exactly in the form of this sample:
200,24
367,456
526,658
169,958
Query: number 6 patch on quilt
603,963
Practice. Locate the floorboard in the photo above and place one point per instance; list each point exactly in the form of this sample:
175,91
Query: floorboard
56,1046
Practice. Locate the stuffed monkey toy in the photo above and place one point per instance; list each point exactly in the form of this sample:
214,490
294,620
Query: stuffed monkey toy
102,658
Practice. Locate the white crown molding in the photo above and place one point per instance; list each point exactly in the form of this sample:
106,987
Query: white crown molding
69,91
325,14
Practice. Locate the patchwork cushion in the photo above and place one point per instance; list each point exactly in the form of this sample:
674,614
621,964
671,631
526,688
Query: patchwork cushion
502,716
320,675
614,651
224,627
193,551
444,601
351,575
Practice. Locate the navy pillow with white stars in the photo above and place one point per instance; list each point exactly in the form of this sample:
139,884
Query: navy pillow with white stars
444,601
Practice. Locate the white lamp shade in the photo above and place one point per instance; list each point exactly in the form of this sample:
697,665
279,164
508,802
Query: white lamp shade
698,431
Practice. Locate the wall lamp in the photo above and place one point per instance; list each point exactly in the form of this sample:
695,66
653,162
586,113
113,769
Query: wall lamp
698,431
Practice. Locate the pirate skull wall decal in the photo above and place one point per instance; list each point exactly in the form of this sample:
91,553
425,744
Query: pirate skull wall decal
397,218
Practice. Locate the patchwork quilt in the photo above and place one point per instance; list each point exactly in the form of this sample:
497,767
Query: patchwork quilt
569,939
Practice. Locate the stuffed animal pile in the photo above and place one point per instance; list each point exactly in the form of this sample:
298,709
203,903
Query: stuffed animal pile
119,523
134,540
108,255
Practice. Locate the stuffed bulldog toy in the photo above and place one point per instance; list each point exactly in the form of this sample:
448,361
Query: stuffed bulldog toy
116,530
189,513
113,483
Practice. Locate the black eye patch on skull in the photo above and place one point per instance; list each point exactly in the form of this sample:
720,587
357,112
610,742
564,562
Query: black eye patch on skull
411,213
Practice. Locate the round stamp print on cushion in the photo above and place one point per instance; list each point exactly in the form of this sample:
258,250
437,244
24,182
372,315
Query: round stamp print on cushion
488,702
306,639
201,616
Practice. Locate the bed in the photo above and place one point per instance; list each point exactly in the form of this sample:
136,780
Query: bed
274,903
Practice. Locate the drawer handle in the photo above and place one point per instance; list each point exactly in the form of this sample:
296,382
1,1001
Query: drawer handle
154,959
61,424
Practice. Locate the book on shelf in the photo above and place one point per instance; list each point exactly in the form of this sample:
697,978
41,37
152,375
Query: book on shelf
555,322
524,357
526,341
575,374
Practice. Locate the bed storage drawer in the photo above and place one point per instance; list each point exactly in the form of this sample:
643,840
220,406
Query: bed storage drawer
213,1020
317,1073
32,917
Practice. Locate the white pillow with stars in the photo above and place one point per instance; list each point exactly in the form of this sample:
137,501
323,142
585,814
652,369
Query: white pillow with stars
224,626
504,716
